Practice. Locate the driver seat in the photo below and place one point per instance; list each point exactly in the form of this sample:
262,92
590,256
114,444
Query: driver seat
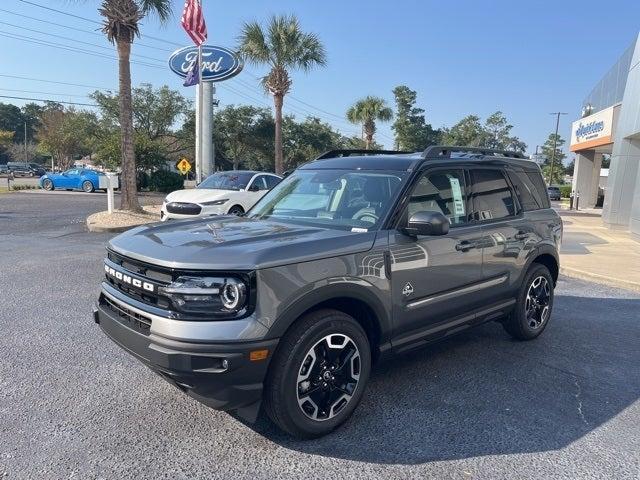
375,194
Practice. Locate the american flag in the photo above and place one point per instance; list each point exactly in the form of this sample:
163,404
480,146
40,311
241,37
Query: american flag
193,21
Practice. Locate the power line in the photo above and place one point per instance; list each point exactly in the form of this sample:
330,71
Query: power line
74,40
49,100
59,11
71,48
62,12
62,25
44,93
20,77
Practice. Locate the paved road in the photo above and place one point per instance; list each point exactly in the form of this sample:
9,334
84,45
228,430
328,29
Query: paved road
73,405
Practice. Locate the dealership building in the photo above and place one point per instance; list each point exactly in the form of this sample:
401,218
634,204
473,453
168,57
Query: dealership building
610,124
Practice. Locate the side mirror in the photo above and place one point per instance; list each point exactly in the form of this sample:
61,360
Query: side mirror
427,223
253,188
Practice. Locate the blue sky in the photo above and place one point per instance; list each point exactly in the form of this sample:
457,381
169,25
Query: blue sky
525,58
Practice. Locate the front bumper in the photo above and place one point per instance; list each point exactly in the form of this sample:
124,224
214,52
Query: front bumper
205,211
220,375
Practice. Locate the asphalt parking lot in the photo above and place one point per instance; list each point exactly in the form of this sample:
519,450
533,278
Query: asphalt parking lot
74,405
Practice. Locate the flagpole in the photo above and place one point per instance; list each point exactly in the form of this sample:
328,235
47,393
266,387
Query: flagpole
199,160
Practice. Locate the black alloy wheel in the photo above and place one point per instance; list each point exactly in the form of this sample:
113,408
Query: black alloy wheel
328,377
534,305
318,374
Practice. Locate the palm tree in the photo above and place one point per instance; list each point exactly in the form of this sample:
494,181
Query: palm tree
121,25
366,111
283,46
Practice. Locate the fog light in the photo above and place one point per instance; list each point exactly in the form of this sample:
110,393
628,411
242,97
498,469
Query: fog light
225,363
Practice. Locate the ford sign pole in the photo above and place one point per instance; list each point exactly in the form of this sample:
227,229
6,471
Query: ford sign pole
199,132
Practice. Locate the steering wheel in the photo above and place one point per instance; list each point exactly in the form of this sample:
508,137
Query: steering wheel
366,217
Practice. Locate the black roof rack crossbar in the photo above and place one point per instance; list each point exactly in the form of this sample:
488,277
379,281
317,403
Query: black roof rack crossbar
439,151
348,152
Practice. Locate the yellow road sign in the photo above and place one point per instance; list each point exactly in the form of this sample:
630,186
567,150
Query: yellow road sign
184,166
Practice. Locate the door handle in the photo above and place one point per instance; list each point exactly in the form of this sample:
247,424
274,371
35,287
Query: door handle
465,245
521,236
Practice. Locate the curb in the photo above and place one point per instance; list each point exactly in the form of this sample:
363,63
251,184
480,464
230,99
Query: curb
102,229
603,279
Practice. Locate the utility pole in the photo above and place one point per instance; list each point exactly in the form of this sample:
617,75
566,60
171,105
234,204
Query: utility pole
555,143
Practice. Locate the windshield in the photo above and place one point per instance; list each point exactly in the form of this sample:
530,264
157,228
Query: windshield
226,181
349,200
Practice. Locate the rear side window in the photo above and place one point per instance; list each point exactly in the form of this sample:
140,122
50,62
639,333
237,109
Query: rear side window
440,191
532,196
492,197
272,181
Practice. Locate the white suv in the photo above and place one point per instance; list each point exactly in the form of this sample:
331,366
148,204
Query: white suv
232,192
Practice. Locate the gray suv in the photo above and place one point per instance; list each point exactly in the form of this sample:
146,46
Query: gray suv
353,257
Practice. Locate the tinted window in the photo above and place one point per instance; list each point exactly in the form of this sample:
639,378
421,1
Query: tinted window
226,181
340,199
492,195
535,177
260,182
441,191
272,181
530,197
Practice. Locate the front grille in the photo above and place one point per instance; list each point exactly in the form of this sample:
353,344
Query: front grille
127,316
182,208
158,275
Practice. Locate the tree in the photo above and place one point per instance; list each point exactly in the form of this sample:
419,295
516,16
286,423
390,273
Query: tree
498,134
412,131
241,132
366,112
468,132
65,133
121,25
556,158
308,139
282,46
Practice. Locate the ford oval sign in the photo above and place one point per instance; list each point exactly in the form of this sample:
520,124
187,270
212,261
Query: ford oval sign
218,63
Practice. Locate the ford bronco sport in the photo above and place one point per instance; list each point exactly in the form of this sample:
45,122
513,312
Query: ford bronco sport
353,257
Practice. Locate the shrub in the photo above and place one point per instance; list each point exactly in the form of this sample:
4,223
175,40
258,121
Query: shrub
565,191
165,181
142,180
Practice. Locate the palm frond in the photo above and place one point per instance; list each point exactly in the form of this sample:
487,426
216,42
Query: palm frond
159,8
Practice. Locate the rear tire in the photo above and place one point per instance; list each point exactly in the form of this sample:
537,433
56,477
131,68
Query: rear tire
87,186
534,305
318,375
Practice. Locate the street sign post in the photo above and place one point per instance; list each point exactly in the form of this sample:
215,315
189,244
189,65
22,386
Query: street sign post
184,166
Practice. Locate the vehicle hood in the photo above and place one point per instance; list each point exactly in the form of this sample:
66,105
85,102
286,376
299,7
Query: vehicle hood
197,195
236,243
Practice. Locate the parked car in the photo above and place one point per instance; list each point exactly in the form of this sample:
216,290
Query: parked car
351,258
73,179
233,192
554,193
4,169
20,169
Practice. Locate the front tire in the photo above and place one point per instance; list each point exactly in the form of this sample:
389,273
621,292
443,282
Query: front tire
318,374
534,305
87,187
47,184
236,210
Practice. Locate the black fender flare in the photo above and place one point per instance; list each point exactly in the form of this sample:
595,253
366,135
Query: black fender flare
342,290
542,249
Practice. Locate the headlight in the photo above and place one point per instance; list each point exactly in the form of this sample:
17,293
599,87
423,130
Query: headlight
215,202
216,296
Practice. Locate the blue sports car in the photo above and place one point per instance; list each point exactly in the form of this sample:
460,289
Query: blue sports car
73,179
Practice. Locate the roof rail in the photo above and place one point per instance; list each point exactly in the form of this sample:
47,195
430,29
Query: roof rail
348,152
439,151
